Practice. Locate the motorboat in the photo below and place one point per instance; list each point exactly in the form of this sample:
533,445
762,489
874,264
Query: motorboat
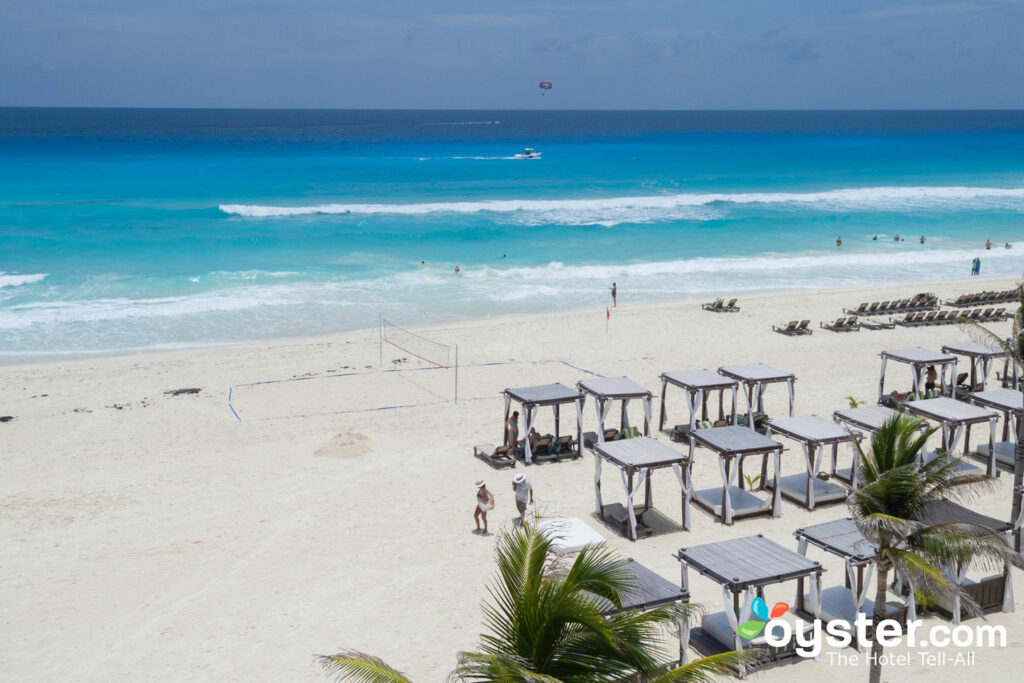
528,153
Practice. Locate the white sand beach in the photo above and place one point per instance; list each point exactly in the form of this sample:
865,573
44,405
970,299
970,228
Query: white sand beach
150,536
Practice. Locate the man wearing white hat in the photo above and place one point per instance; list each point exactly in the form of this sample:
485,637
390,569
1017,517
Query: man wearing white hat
524,493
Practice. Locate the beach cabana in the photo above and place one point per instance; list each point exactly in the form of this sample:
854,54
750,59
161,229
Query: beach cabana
569,534
815,435
981,357
956,418
754,379
635,460
919,360
1010,405
744,567
868,418
651,590
698,386
732,444
609,390
993,593
842,538
532,399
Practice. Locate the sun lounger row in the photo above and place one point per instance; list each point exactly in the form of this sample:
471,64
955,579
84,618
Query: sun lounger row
1004,297
842,325
720,306
952,317
918,303
794,327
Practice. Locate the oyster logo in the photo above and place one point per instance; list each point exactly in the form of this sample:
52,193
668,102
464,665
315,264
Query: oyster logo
752,629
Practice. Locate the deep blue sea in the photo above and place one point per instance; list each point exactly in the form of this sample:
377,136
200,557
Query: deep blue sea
134,229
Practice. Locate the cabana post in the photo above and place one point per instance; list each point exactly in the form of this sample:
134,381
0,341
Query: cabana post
754,379
636,459
745,566
697,386
532,399
919,360
732,444
814,434
606,391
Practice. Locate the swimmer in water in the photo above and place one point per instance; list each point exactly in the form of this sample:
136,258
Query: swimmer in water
922,239
988,244
1008,245
897,237
875,238
839,241
457,271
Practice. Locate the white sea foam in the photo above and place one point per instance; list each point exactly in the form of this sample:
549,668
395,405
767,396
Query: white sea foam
17,280
655,208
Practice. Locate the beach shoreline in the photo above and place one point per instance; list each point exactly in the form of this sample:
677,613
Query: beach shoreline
999,282
152,534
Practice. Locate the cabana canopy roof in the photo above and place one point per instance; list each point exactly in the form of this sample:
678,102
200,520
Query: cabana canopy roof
755,373
866,417
917,355
750,561
639,452
650,590
613,388
810,428
544,394
975,350
698,379
734,440
1002,399
947,410
946,511
840,537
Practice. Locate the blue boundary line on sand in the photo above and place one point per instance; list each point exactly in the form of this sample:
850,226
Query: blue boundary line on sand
231,389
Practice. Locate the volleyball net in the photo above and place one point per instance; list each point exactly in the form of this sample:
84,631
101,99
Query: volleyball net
435,353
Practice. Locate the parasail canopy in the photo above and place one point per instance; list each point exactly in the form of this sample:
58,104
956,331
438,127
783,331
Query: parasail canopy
545,85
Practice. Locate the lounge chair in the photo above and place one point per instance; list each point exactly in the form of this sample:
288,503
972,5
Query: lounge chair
884,307
1000,314
929,318
863,308
802,327
875,325
987,315
495,457
918,318
789,329
873,307
940,318
838,326
907,320
852,323
564,447
731,307
715,305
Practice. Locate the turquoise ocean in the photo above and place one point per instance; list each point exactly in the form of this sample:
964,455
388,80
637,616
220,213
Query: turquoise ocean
139,229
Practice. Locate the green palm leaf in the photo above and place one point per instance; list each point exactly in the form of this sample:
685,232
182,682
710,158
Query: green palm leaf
352,665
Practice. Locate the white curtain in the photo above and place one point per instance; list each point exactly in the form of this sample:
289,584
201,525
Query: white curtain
531,418
648,407
601,414
642,472
881,379
690,406
814,581
801,546
687,488
776,489
625,414
728,475
992,445
958,575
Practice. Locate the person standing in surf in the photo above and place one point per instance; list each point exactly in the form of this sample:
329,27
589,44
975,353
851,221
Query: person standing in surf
615,292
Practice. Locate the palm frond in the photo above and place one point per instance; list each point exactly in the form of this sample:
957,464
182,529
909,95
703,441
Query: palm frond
711,669
352,665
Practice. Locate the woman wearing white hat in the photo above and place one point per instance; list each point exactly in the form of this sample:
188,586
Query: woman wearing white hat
524,491
484,503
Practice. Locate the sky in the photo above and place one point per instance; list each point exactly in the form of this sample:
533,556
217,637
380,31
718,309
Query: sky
491,54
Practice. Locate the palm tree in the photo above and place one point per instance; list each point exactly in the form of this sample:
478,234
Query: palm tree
559,622
890,504
1014,346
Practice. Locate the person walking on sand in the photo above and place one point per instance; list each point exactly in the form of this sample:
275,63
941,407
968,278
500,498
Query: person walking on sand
512,431
484,504
524,494
615,291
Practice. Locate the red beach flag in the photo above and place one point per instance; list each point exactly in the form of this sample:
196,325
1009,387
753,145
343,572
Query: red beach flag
607,313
